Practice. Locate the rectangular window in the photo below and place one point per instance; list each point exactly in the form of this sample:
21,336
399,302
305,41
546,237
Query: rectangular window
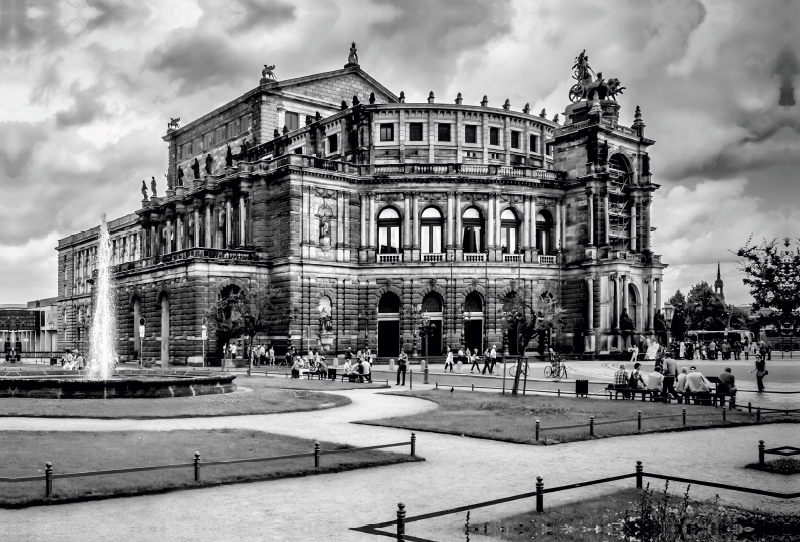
387,132
292,121
534,143
443,132
470,133
180,152
494,136
431,239
247,123
549,149
415,131
208,140
514,140
389,240
298,150
237,127
219,135
198,145
333,143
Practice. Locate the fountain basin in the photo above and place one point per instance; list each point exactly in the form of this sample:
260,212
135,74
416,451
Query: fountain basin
123,385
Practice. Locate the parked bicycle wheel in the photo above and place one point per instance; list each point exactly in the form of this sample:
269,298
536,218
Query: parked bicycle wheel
562,371
548,371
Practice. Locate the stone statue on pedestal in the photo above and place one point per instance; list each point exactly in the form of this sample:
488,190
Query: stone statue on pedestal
144,190
353,56
196,168
209,162
153,186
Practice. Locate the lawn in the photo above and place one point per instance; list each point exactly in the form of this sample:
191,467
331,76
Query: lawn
266,398
508,418
26,452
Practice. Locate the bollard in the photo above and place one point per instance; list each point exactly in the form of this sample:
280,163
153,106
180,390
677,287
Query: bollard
316,455
537,430
758,414
48,480
425,374
591,426
410,379
724,418
639,469
539,494
473,387
197,466
638,420
749,408
401,521
413,445
559,392
761,452
684,415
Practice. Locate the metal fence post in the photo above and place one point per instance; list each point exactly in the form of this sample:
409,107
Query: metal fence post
683,412
197,466
638,420
401,521
413,445
591,426
749,407
639,470
761,448
410,379
537,430
758,414
316,454
724,410
48,480
539,494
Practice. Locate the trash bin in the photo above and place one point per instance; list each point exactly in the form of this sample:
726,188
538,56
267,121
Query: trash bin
582,387
332,373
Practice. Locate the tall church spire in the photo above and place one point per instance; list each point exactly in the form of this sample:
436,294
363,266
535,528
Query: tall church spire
718,285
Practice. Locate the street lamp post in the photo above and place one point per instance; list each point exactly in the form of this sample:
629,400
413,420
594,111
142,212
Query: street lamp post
668,312
426,329
415,309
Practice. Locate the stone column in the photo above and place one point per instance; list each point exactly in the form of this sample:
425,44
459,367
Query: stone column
558,227
563,224
364,241
649,301
347,223
415,227
242,221
168,236
625,293
196,242
634,232
617,300
532,226
526,227
153,240
372,227
179,234
448,220
498,241
606,219
588,342
646,212
590,198
407,222
207,240
228,224
657,286
457,211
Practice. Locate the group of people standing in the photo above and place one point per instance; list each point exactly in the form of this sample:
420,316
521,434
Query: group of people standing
725,349
464,356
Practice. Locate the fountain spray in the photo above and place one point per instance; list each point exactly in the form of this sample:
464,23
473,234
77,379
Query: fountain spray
102,356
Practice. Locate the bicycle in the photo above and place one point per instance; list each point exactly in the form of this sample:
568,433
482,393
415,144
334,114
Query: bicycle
556,369
512,371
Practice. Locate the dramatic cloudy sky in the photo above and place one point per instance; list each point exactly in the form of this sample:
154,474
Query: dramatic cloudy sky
88,85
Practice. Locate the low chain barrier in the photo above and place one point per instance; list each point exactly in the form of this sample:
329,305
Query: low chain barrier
197,464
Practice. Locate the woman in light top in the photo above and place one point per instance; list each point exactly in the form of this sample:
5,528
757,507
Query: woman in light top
448,360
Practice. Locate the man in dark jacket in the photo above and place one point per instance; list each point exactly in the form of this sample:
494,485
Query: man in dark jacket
727,384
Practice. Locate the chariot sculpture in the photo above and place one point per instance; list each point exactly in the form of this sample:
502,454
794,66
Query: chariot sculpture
268,73
591,86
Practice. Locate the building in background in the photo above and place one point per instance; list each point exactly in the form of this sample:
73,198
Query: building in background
30,328
368,212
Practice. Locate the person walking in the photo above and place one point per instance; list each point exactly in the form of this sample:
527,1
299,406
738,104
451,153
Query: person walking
761,372
493,356
474,359
670,371
737,349
762,350
487,360
448,360
402,361
712,350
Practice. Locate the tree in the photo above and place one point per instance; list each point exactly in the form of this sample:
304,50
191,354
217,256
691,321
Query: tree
773,276
678,301
704,310
531,319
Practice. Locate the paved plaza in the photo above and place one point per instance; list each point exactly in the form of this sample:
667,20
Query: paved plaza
457,471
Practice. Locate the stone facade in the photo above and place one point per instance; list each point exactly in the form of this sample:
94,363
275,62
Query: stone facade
382,211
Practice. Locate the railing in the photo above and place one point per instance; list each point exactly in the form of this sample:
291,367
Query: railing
512,258
390,258
388,170
433,258
474,258
196,464
547,259
572,128
472,169
188,254
639,475
619,128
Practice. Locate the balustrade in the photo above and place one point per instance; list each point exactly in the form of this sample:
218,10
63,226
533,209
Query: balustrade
475,258
390,258
433,258
512,258
547,259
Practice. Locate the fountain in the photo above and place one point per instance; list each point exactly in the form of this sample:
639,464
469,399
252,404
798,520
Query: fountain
102,379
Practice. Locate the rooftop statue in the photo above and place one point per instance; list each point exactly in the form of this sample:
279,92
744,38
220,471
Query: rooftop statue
591,86
268,73
353,56
173,123
144,190
153,186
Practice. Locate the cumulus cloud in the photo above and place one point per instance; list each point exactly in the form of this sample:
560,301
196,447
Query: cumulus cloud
86,107
261,13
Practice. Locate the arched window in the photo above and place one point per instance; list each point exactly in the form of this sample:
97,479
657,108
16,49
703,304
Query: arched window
389,231
544,233
473,303
389,304
509,232
619,163
431,232
432,303
472,229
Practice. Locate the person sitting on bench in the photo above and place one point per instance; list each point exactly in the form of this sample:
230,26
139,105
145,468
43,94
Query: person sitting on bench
655,381
698,385
635,380
366,371
727,384
621,380
296,367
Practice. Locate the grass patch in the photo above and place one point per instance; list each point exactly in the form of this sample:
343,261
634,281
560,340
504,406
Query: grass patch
512,419
619,516
26,452
783,465
305,384
264,399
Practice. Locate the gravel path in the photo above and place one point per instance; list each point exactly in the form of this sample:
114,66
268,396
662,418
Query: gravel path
458,471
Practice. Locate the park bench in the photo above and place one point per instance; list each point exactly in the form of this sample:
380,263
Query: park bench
614,392
353,377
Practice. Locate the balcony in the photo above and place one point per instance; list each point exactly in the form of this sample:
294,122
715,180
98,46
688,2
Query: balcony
390,258
549,260
475,257
190,254
512,258
434,258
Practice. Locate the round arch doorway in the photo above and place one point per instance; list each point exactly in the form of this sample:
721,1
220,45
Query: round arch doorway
473,322
389,325
432,304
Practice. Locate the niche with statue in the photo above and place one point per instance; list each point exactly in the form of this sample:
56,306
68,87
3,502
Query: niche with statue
326,334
